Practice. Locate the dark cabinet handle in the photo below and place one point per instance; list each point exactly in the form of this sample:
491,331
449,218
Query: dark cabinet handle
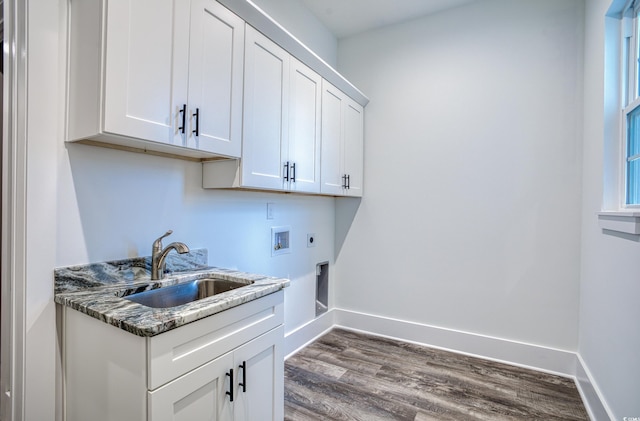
183,111
344,181
197,116
230,392
243,366
293,172
286,171
348,181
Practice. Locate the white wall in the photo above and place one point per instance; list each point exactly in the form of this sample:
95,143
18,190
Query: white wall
87,204
610,286
471,214
113,204
296,18
43,129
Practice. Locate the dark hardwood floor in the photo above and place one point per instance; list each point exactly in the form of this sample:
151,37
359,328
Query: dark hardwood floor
351,376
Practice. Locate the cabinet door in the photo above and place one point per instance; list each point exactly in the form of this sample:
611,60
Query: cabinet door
260,383
146,68
266,92
342,143
353,146
304,127
197,396
332,174
215,79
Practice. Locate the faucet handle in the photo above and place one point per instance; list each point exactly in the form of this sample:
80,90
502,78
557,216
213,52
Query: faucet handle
157,245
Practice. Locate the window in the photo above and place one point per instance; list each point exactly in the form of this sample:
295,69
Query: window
620,212
631,104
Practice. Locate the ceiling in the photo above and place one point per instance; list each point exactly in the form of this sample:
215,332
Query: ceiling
349,17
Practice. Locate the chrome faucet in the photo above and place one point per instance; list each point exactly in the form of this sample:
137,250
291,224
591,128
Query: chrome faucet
158,255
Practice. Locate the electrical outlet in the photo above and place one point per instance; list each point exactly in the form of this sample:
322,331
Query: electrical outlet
311,240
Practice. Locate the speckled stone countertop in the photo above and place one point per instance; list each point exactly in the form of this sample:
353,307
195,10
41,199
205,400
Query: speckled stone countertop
97,289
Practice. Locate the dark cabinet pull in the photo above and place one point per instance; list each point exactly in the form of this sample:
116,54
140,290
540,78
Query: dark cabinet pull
243,366
286,171
197,116
183,111
344,181
230,392
348,181
293,171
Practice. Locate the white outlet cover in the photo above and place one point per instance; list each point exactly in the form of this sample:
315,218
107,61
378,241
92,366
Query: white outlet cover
311,240
270,210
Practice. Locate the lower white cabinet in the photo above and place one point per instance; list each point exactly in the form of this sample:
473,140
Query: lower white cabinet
229,366
245,384
198,395
259,381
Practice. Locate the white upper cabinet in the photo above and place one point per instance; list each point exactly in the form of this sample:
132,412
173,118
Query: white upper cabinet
192,79
342,143
304,129
144,81
172,75
354,147
332,139
281,127
215,82
266,112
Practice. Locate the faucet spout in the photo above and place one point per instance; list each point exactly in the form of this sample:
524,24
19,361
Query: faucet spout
159,255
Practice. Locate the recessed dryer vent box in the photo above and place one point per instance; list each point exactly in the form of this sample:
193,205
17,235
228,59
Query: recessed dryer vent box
280,240
322,288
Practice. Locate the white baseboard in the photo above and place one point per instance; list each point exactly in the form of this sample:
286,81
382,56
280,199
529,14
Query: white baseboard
307,333
591,396
545,359
539,358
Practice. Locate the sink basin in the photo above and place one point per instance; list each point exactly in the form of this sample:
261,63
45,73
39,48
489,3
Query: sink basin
184,293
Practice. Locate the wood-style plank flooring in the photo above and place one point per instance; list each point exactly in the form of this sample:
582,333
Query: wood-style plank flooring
351,376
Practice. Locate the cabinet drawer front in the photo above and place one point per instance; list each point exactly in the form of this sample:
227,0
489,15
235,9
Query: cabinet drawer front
181,350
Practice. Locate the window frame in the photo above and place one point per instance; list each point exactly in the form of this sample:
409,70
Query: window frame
616,217
630,95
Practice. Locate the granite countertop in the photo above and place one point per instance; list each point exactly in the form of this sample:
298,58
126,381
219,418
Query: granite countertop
97,289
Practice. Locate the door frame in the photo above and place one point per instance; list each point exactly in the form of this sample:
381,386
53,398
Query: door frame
14,232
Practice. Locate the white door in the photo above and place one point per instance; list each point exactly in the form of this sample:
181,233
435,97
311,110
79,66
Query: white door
146,68
266,93
332,175
200,395
260,383
215,79
353,146
305,98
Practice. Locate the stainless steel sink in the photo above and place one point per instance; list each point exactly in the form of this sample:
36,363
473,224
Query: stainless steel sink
184,293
